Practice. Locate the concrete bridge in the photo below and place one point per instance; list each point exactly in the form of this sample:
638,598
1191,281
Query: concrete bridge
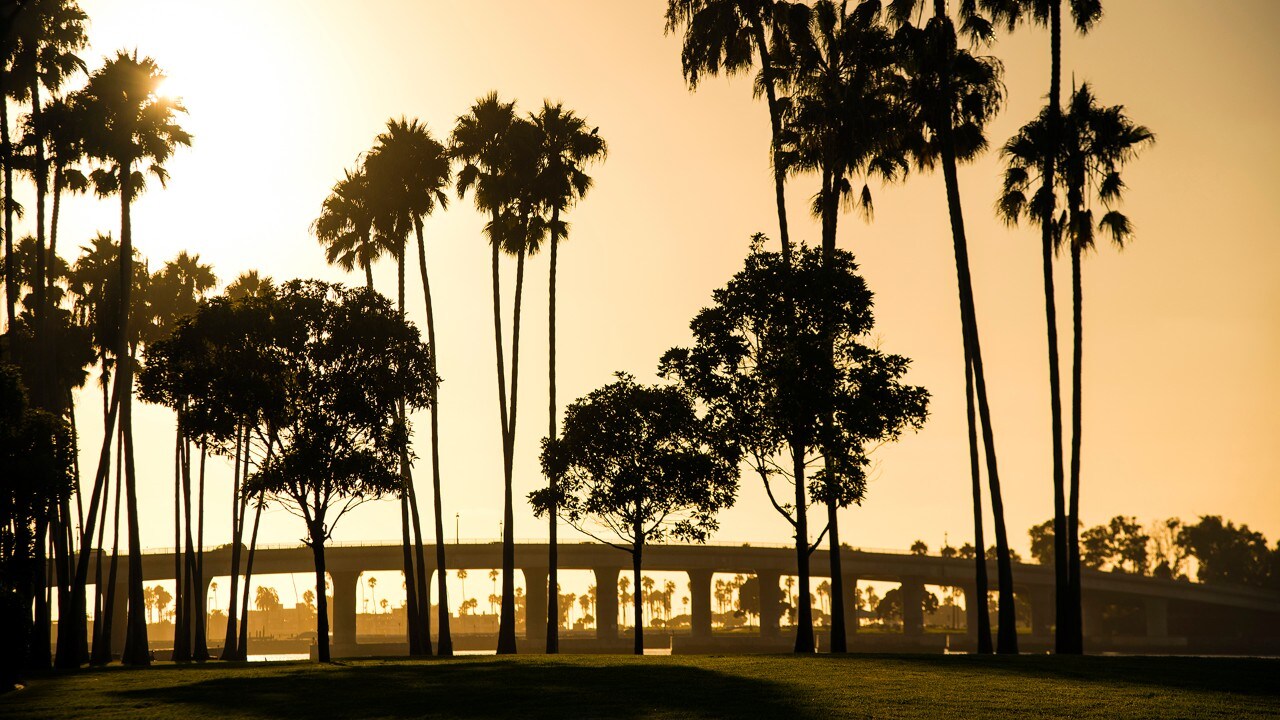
1157,615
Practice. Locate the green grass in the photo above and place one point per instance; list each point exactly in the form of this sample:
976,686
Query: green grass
754,686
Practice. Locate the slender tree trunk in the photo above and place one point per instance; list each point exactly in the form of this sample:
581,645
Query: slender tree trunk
108,609
368,277
412,616
136,650
839,633
190,586
181,651
1073,503
804,614
243,649
775,126
424,602
99,596
637,551
41,649
507,618
229,650
1064,635
983,630
553,560
42,393
444,643
1007,634
322,600
201,652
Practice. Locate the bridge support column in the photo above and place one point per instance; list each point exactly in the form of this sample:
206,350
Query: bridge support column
1157,612
535,603
770,601
850,609
606,602
700,603
344,606
1042,611
912,606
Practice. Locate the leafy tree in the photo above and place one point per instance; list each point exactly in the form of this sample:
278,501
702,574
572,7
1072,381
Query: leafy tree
637,463
345,359
919,548
567,147
795,383
135,129
952,95
1042,542
36,450
1226,553
1120,544
1084,13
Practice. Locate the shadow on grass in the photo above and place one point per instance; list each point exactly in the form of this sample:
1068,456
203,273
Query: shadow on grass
485,690
1241,676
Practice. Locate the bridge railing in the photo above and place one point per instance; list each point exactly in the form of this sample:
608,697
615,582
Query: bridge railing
534,541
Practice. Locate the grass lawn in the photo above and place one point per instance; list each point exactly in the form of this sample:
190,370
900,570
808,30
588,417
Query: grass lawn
610,686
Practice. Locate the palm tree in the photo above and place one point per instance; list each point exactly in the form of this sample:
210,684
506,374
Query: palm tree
345,226
250,284
728,36
1084,13
841,121
410,171
567,147
1094,142
135,129
952,95
500,154
47,35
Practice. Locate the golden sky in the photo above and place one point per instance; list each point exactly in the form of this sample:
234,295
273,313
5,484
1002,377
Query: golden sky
1182,328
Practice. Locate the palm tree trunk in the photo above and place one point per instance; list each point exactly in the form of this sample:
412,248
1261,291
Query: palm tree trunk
1064,632
109,597
201,652
775,126
1073,503
99,595
424,602
839,634
136,649
507,613
444,642
190,585
804,614
181,652
507,639
41,650
229,650
368,277
1007,631
42,393
412,616
553,574
243,648
983,630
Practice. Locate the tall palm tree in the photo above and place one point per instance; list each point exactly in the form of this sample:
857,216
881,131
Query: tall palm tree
345,226
952,95
409,172
250,283
842,106
1093,144
500,153
135,130
566,148
728,36
1069,636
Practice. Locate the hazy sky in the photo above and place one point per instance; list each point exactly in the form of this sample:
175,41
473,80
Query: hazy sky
1182,328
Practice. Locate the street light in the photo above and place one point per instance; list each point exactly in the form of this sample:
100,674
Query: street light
456,524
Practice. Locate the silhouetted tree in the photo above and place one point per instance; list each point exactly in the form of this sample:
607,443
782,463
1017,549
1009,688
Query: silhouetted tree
345,225
409,172
952,95
1069,637
798,380
135,129
566,148
636,462
500,154
347,359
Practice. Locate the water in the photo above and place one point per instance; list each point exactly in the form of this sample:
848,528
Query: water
279,657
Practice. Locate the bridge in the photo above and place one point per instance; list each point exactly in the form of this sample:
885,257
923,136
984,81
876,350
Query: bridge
1157,615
